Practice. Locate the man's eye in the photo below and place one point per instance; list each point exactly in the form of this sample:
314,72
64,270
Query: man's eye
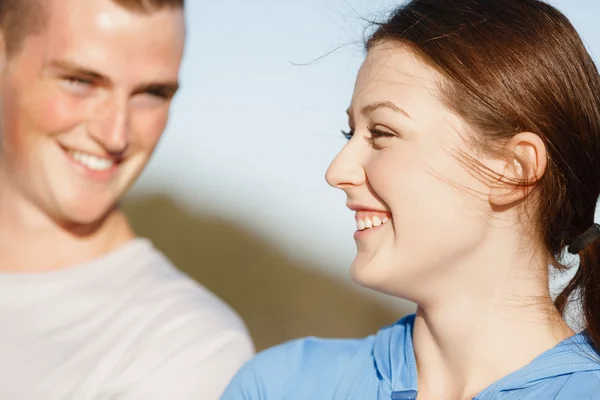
157,93
74,80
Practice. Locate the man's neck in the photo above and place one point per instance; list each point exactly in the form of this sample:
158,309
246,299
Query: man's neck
31,242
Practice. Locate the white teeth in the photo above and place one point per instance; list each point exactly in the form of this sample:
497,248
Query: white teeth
362,224
92,162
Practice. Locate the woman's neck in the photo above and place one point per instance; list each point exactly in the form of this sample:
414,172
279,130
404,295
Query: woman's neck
466,340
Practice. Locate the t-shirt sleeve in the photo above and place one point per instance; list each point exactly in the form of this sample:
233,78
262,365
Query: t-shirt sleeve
186,345
198,370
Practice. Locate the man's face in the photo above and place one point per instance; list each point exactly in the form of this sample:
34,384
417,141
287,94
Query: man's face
84,103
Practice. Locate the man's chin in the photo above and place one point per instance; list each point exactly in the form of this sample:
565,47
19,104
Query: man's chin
84,220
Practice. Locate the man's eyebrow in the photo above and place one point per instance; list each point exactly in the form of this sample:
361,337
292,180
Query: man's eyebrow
75,68
370,108
169,87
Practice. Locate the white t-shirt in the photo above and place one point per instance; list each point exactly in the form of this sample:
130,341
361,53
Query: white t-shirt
125,326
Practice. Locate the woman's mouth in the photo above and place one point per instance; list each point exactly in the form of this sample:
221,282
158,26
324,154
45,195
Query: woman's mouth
368,219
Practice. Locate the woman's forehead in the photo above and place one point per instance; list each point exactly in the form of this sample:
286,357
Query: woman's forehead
393,73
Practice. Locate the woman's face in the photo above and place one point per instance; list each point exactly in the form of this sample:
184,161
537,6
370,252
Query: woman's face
420,213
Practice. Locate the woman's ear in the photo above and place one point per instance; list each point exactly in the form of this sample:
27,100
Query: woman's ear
525,164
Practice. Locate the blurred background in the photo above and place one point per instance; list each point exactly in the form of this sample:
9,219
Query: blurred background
235,194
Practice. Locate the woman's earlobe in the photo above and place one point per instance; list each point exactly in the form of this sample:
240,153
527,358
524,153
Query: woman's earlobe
510,187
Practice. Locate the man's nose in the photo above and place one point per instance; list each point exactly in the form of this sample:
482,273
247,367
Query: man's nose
110,127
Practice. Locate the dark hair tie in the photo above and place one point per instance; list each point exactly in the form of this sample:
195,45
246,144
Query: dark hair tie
583,240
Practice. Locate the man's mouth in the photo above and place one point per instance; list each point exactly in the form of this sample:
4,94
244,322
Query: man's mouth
91,161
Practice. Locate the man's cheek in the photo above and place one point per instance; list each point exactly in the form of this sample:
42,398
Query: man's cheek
53,115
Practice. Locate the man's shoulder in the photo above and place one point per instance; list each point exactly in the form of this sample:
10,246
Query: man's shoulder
160,289
178,331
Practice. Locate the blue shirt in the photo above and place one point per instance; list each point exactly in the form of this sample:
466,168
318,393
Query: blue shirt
383,367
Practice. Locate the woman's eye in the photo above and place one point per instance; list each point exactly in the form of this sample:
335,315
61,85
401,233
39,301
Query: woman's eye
377,134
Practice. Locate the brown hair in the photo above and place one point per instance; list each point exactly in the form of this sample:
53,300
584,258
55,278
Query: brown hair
512,66
20,18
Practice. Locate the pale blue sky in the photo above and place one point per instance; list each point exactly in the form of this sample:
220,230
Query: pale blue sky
252,134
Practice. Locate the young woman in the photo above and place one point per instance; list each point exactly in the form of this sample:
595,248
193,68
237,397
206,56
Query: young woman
473,162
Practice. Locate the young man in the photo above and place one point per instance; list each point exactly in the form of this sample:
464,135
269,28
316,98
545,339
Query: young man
87,310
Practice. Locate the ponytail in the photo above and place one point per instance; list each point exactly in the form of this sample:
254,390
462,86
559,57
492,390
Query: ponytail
586,282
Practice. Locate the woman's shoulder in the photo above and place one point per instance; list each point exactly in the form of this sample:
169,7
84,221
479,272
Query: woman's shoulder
306,352
325,368
320,362
570,370
580,385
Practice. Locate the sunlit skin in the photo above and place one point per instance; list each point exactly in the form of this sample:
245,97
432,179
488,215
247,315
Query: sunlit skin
456,243
98,80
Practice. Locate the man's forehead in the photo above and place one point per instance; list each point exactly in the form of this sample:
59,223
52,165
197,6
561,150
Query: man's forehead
102,21
112,41
75,13
104,13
